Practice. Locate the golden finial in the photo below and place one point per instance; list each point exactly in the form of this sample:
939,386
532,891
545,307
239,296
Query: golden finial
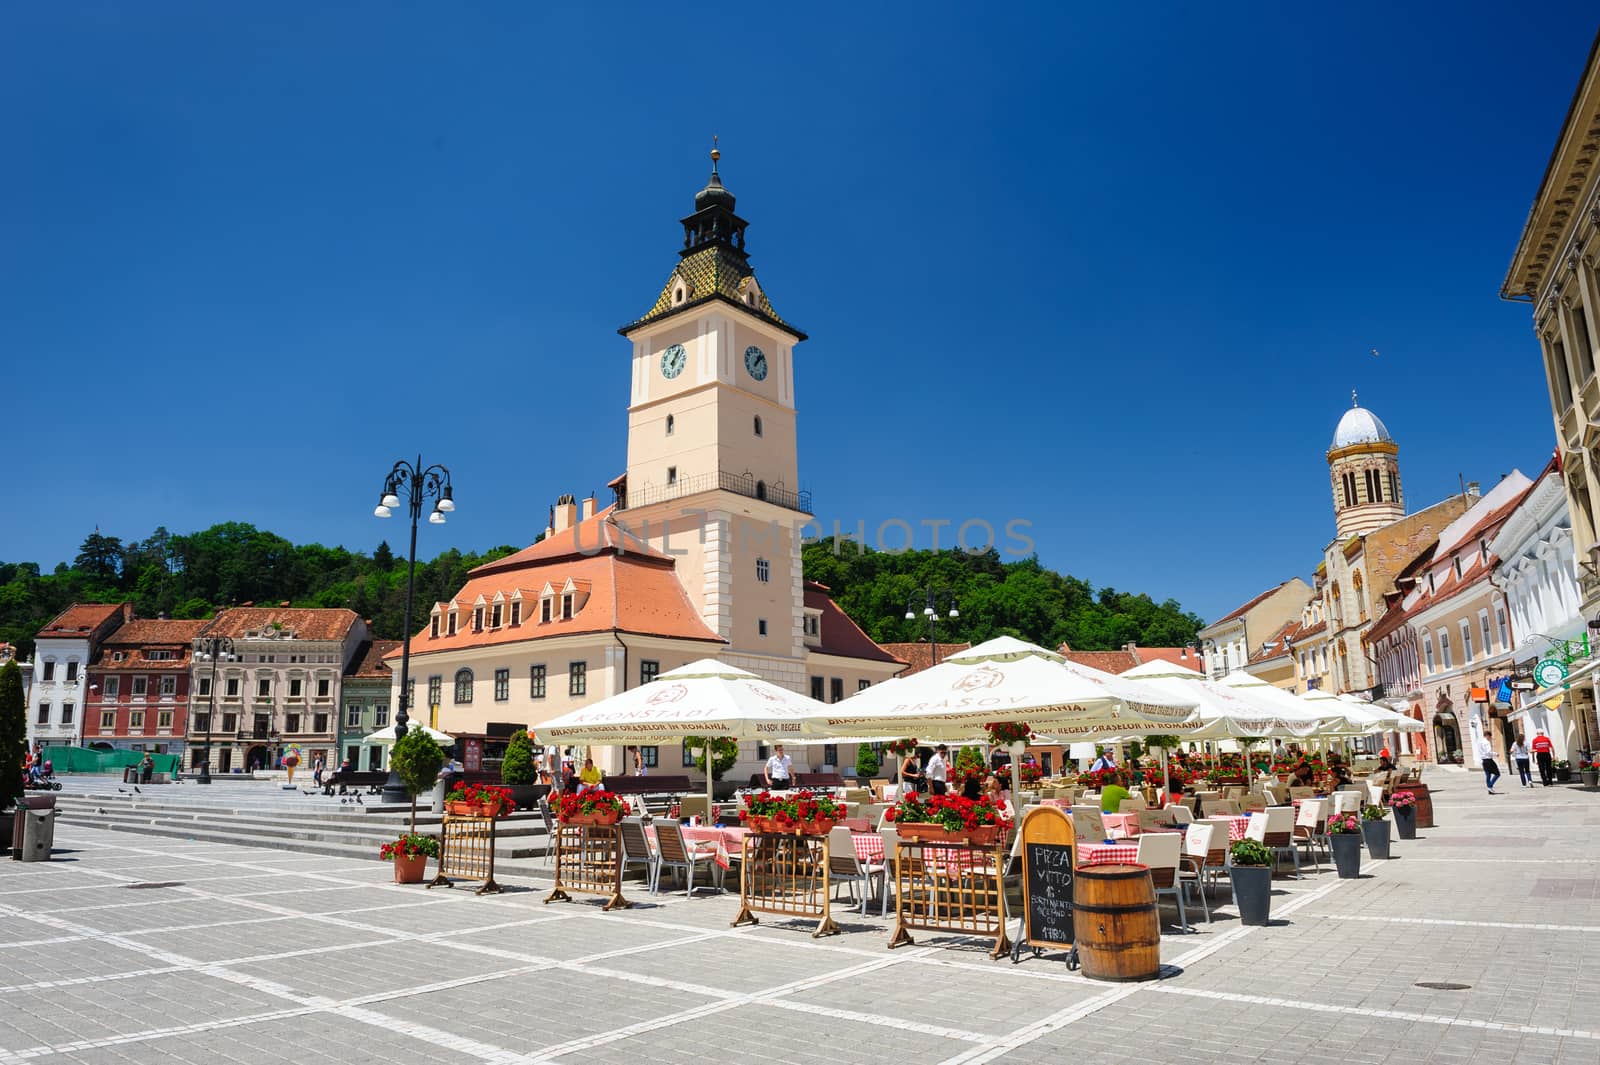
715,153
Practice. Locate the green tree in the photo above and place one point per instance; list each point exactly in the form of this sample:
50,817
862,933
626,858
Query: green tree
517,766
99,557
417,760
724,752
13,734
866,762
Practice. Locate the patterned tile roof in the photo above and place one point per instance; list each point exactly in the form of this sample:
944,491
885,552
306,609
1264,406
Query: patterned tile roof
919,656
840,634
305,623
713,272
368,660
79,620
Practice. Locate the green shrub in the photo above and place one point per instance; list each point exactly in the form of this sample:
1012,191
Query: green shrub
517,767
1249,852
866,762
724,752
13,733
416,760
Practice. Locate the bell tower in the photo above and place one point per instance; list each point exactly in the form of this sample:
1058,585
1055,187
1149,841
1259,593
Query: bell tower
1364,465
712,457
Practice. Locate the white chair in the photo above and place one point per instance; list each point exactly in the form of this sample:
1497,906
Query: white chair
1301,793
1196,860
1222,807
1132,805
1161,851
845,867
1152,819
1310,827
1274,830
1374,793
1276,794
1087,823
1178,814
674,852
1255,802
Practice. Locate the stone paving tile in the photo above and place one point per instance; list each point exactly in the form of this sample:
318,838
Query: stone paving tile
373,969
568,938
275,936
124,1007
66,961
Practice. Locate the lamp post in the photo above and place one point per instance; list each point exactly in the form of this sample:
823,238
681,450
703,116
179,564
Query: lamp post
930,610
212,649
416,484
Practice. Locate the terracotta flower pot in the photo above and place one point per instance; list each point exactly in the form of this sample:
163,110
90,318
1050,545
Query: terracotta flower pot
926,832
410,870
595,818
461,809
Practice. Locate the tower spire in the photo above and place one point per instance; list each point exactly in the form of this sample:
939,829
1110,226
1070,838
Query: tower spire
716,154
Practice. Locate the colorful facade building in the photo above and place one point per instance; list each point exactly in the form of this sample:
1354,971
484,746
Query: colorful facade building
366,691
139,687
280,691
1229,643
62,652
697,556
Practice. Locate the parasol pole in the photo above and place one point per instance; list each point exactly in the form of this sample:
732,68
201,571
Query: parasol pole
1166,781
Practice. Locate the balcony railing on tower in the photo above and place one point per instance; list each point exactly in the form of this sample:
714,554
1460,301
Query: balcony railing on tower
744,484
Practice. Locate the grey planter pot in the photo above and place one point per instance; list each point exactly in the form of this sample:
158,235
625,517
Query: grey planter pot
1376,833
1346,854
1590,777
1252,892
1405,821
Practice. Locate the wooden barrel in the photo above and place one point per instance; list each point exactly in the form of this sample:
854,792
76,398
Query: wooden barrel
1424,802
1115,924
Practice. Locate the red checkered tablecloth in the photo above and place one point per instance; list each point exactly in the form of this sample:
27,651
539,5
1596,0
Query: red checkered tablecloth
1236,826
1103,853
869,847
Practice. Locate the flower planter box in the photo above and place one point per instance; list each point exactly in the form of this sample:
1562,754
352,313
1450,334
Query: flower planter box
923,832
599,818
771,826
1376,834
473,809
1346,848
410,870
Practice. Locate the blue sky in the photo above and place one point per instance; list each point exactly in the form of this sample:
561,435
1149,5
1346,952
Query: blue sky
1111,270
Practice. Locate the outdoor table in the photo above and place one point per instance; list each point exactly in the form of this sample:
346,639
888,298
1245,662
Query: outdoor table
731,839
1237,826
1108,853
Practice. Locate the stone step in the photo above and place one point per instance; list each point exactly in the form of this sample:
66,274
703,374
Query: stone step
523,824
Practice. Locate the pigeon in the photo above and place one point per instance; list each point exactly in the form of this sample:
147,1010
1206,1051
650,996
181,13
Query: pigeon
122,791
136,788
99,809
359,802
303,791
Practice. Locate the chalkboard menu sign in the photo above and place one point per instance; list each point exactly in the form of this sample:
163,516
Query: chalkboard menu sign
1047,852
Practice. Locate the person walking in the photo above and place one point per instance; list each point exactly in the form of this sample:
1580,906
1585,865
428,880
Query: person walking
1543,751
938,771
318,767
780,770
1519,755
1491,768
147,768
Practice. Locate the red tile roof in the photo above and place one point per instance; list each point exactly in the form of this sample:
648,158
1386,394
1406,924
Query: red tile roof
79,620
586,539
919,656
1180,655
157,631
1310,630
304,623
841,635
135,639
1125,658
1274,646
368,661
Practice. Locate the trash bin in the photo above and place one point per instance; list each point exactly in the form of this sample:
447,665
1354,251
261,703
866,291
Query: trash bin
38,834
130,775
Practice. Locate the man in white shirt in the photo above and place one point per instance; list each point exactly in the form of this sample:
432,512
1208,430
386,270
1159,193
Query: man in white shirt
937,771
780,770
1105,761
1491,768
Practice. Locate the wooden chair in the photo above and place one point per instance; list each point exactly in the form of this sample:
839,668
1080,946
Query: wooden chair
1161,851
674,852
1196,855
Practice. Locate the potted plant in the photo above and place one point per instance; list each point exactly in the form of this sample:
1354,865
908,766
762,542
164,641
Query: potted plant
590,808
1250,871
410,854
800,813
948,819
866,764
1404,805
1344,838
1010,734
1563,770
1589,772
724,753
416,760
1375,830
479,800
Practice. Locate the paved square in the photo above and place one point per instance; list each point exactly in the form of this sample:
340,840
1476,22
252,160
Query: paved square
239,955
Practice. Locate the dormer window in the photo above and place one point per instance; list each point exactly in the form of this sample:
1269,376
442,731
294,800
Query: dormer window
494,616
566,607
433,630
516,612
452,625
544,609
477,619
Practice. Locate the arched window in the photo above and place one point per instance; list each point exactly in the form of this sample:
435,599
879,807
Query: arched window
758,425
463,686
761,489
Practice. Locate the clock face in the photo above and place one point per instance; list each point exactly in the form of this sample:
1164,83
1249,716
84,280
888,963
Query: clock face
673,361
755,360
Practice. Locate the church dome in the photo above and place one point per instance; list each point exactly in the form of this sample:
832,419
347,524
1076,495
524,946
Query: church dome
1360,426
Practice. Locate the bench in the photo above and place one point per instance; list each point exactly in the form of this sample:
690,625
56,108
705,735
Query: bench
346,780
661,788
819,780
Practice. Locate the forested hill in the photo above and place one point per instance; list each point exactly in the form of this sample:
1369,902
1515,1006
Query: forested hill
190,576
995,598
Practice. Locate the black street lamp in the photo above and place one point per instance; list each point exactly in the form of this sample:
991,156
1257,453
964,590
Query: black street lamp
930,610
417,485
212,649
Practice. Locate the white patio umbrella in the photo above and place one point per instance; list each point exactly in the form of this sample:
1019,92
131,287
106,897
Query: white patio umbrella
386,735
705,698
1372,717
1302,721
1007,679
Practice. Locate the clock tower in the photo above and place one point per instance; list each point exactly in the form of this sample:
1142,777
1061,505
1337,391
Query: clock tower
712,475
